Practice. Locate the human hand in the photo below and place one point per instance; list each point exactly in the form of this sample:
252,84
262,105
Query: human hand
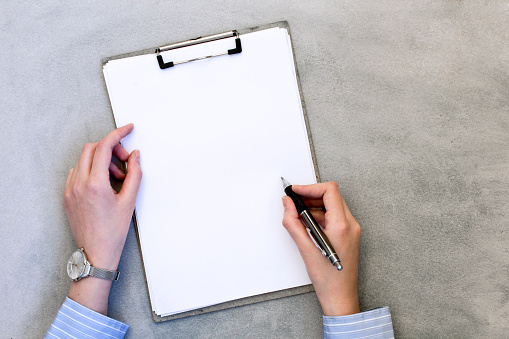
99,217
336,290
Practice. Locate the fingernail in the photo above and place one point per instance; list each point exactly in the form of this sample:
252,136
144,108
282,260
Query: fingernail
137,155
284,202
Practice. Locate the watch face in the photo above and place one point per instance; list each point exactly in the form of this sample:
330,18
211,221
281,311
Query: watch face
76,264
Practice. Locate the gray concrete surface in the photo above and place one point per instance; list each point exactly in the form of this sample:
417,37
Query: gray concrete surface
408,103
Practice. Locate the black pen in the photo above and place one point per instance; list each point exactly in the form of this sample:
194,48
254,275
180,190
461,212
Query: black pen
314,230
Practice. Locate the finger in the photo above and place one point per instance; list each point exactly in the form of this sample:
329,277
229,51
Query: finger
67,187
310,202
68,179
120,153
132,180
319,216
74,174
104,149
85,160
295,227
116,172
329,192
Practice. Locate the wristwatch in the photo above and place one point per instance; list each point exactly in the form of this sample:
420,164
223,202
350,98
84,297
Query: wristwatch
78,267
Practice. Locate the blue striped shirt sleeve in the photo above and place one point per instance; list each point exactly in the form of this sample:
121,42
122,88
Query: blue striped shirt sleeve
373,324
77,321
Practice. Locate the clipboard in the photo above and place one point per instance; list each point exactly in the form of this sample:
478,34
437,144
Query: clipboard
166,64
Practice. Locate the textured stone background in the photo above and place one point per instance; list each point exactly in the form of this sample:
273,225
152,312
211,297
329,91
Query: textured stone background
408,104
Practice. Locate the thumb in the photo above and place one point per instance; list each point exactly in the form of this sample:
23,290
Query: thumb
294,226
132,180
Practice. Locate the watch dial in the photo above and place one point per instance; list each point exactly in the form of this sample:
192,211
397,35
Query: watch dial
75,265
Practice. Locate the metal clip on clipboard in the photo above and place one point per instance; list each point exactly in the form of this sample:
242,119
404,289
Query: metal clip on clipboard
199,40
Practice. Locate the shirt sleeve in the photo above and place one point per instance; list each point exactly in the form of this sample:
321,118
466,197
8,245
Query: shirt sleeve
77,321
373,324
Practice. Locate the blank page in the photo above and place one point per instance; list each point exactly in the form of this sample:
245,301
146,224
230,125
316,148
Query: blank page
215,137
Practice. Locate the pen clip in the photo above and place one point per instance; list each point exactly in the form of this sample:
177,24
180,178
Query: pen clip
314,242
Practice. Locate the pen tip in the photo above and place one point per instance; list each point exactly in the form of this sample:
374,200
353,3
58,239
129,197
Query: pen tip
285,183
338,265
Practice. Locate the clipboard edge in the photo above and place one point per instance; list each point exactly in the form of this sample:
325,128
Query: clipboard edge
289,292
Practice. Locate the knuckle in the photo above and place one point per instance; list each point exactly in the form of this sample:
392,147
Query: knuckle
342,233
76,191
88,146
115,133
93,186
102,144
67,198
357,230
333,185
288,223
342,223
286,220
350,230
285,223
112,136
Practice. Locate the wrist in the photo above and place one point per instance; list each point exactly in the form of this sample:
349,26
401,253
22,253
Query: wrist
106,260
92,293
105,263
339,306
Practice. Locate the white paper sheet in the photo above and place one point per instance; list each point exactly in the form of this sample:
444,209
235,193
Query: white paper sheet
215,137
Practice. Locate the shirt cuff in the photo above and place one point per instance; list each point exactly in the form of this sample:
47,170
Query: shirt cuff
77,321
373,324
